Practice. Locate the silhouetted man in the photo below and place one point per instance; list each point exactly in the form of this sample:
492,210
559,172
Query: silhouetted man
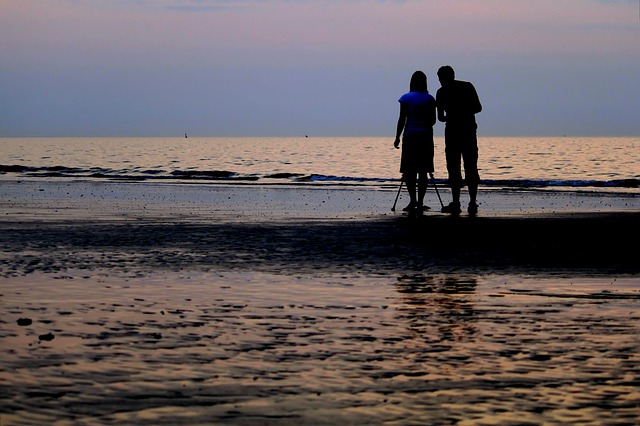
457,103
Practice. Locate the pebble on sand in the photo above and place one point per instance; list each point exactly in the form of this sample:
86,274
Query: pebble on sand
46,337
24,321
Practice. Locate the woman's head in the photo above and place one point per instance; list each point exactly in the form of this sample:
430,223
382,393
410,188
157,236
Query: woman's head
418,82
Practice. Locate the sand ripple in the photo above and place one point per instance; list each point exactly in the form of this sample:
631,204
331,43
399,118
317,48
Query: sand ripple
267,348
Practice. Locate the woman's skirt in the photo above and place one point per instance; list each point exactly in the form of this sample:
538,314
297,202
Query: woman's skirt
417,153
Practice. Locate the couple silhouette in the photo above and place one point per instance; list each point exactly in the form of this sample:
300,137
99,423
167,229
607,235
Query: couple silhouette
456,104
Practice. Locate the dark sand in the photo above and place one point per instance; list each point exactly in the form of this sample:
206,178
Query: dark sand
594,244
124,304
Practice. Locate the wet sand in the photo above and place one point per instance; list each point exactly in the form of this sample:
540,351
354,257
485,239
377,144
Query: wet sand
124,304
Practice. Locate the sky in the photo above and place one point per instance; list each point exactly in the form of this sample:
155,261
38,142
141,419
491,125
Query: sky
125,68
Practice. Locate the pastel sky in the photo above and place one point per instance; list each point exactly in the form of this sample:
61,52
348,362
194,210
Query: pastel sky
316,67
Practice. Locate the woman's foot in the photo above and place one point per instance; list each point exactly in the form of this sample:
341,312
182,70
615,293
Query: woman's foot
453,208
416,206
410,207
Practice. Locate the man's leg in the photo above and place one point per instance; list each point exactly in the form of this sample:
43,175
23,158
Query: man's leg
470,158
455,194
453,157
473,192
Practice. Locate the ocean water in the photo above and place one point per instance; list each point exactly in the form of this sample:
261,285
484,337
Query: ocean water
541,163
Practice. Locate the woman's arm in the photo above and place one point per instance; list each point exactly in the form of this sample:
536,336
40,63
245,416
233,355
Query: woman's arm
402,119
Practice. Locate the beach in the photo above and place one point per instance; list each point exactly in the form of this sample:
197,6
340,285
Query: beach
202,213
126,303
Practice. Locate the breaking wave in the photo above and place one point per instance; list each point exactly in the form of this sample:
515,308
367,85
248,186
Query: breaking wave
17,171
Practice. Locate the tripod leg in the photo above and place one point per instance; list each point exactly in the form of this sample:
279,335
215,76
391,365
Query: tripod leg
393,209
436,188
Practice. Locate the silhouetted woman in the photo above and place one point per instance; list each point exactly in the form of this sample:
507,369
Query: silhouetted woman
416,120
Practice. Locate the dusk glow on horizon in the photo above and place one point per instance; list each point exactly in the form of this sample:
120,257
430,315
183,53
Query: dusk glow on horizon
316,67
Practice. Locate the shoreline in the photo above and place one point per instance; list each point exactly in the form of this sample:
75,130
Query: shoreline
56,200
45,225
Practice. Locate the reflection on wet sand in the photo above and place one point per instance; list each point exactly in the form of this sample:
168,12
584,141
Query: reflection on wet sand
440,308
333,349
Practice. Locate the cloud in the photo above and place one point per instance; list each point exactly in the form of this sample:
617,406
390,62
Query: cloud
206,5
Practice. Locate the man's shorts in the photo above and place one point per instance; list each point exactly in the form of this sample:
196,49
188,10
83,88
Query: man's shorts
461,145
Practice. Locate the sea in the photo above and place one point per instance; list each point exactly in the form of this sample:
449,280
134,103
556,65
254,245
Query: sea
599,164
205,321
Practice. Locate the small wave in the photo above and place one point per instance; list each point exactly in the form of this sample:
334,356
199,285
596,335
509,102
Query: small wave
532,183
13,169
176,175
329,178
45,171
284,175
211,175
198,174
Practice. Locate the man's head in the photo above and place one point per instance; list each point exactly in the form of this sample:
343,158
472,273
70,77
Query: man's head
446,75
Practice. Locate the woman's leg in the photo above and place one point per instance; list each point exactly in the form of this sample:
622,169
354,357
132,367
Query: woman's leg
410,180
422,187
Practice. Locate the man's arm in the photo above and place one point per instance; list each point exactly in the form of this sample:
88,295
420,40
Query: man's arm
432,114
475,104
441,112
